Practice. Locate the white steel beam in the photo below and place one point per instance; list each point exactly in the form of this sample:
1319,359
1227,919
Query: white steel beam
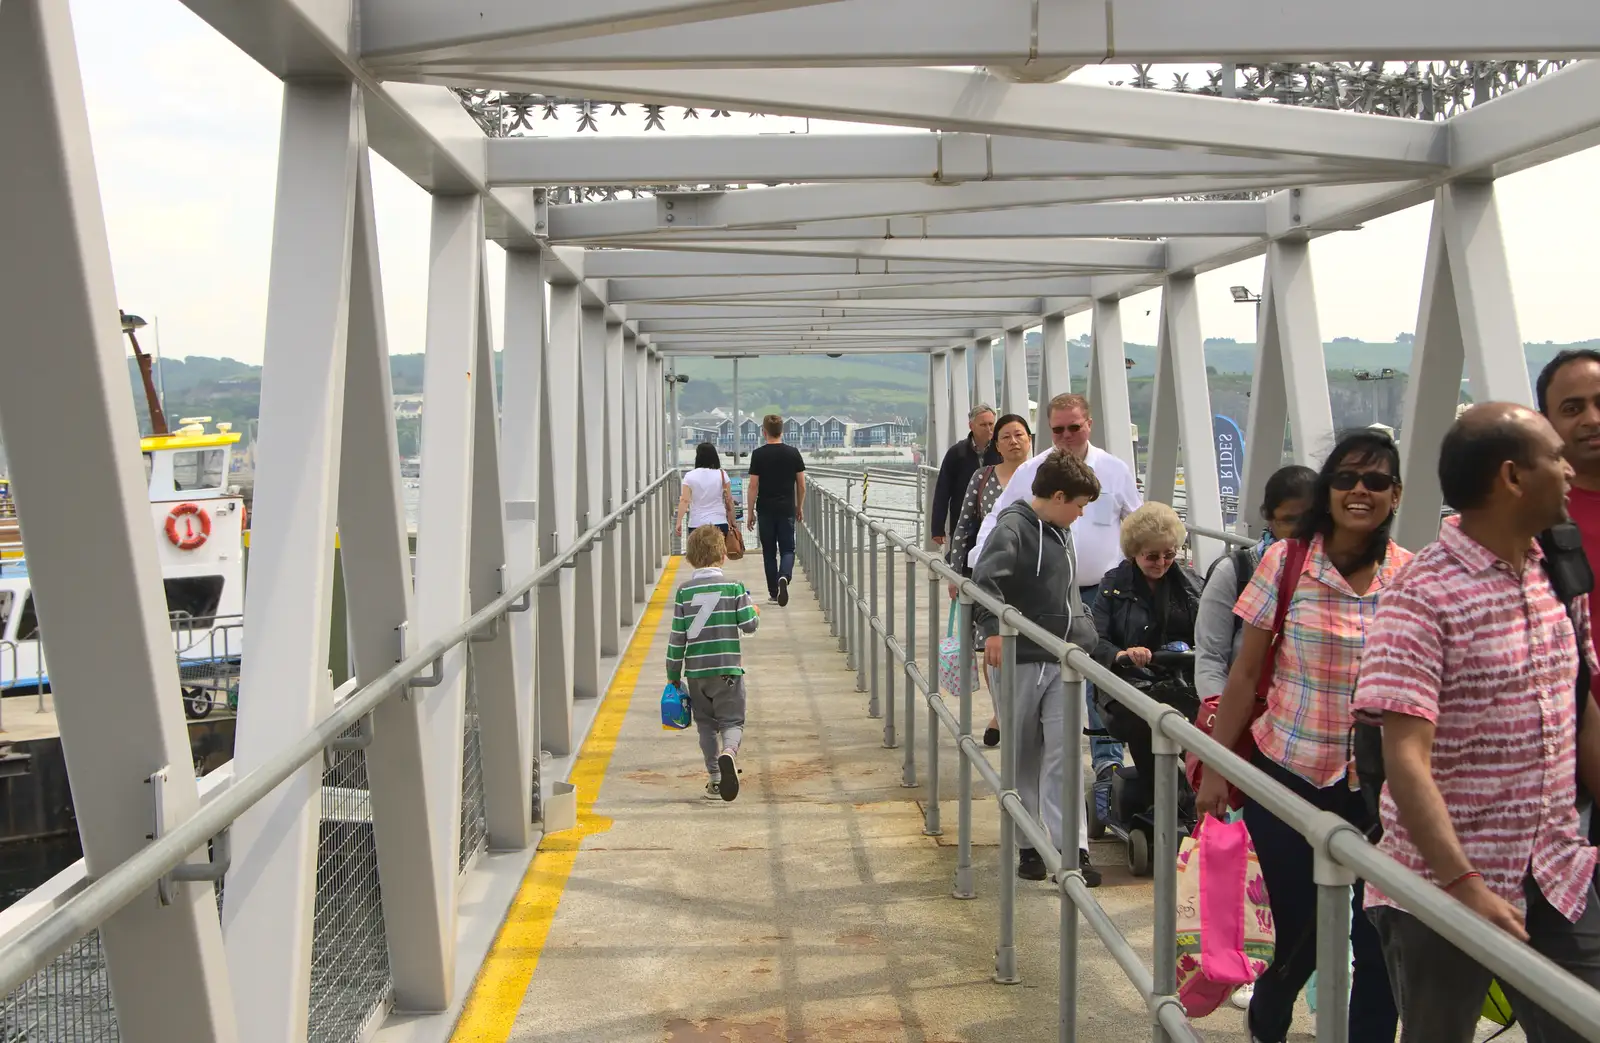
1299,337
983,386
558,517
799,204
522,362
611,493
633,264
1014,399
1269,407
1108,383
1041,40
417,30
644,469
1063,255
627,430
940,434
444,515
285,688
91,554
1144,218
1184,366
984,103
504,717
828,289
1054,376
376,558
830,311
591,417
938,157
960,389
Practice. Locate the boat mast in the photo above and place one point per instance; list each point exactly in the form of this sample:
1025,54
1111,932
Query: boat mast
158,418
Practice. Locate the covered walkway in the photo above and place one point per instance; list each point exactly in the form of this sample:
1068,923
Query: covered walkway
811,909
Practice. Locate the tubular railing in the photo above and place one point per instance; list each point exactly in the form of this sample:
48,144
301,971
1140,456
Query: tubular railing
82,914
842,549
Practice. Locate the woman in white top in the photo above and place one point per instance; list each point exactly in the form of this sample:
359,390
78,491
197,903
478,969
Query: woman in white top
707,497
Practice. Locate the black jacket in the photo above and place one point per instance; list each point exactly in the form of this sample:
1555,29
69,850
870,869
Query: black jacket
955,473
1030,564
1126,614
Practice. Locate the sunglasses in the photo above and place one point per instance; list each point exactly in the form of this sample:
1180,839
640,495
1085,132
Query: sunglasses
1159,555
1073,428
1375,481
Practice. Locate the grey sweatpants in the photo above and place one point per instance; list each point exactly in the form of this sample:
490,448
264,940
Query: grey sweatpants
1038,708
718,705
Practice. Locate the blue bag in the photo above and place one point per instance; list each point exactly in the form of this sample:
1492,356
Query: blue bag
674,708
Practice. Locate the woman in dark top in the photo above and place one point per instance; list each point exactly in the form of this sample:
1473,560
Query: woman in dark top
1015,443
1146,602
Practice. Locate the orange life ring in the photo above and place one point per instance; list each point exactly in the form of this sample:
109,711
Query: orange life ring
191,537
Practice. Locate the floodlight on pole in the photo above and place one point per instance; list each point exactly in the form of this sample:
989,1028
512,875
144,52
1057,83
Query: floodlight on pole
158,418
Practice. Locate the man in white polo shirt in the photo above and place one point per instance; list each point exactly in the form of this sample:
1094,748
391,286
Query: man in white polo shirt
1096,537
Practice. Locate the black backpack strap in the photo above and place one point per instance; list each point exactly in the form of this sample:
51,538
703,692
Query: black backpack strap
1571,577
1242,558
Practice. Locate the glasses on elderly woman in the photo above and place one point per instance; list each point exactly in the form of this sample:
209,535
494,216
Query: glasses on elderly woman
1156,557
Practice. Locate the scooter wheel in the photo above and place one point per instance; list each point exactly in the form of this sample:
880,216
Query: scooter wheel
1138,853
196,703
1091,816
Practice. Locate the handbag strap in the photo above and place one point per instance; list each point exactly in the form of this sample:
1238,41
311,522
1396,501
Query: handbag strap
1294,563
950,621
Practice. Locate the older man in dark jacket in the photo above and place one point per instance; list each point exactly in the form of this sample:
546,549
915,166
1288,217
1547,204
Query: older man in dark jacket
955,472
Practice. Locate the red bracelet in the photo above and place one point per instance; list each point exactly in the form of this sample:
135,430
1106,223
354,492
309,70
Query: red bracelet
1464,876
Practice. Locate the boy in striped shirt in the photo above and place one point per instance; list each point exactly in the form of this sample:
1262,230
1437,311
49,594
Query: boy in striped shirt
708,613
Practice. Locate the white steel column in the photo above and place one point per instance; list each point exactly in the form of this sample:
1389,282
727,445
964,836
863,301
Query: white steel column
1108,384
644,471
1491,340
1014,399
983,385
1055,374
939,431
612,495
558,517
285,688
444,518
522,362
377,583
82,497
504,722
627,429
1183,366
661,458
960,394
1269,410
590,450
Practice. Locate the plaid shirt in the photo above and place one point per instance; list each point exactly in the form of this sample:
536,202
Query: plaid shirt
1306,724
1491,659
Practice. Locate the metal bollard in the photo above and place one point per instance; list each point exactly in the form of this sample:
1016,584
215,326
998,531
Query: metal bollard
863,623
847,585
889,665
1072,811
963,881
1334,882
1164,965
874,708
1005,951
908,774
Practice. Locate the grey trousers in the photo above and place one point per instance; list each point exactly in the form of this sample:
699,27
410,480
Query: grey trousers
1038,708
1440,989
718,705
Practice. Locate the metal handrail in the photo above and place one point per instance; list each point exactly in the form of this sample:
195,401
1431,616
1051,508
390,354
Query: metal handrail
1233,539
1342,853
102,899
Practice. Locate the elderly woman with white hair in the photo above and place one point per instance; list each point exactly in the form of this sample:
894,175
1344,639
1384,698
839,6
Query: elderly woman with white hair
1146,603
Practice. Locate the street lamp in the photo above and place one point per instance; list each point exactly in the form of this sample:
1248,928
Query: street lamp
1242,295
1367,376
158,418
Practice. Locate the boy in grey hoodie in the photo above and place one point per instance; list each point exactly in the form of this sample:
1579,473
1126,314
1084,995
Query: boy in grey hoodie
1028,562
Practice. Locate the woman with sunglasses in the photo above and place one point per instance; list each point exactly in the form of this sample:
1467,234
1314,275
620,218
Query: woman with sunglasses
1145,603
1302,734
1014,440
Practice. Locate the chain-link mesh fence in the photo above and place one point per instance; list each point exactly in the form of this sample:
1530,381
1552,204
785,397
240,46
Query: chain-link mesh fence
69,1001
474,829
350,976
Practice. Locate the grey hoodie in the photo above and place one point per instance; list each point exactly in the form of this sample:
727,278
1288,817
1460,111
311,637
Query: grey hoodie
1030,564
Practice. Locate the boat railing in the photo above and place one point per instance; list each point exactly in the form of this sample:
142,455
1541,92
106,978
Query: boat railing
29,944
6,681
848,555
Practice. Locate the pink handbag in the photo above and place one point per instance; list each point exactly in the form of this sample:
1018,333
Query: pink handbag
1225,933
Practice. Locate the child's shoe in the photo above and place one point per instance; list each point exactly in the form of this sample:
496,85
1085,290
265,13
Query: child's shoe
714,789
728,786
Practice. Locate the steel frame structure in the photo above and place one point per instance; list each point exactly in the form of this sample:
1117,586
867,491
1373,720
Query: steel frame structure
1022,200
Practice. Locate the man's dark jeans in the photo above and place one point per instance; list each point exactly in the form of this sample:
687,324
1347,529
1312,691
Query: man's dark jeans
777,539
1286,864
1441,989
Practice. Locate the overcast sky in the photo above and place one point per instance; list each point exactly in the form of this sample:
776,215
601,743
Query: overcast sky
186,133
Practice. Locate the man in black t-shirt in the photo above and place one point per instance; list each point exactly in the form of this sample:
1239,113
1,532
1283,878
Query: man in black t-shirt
778,491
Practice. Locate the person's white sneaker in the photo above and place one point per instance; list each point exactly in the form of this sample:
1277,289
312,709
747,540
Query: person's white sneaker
772,599
1241,997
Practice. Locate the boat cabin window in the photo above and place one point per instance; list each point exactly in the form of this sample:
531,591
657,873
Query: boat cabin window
197,469
28,624
191,598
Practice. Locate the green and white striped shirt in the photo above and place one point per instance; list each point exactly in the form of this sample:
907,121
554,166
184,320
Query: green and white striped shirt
708,613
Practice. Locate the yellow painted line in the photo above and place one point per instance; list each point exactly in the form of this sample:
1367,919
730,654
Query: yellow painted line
503,979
